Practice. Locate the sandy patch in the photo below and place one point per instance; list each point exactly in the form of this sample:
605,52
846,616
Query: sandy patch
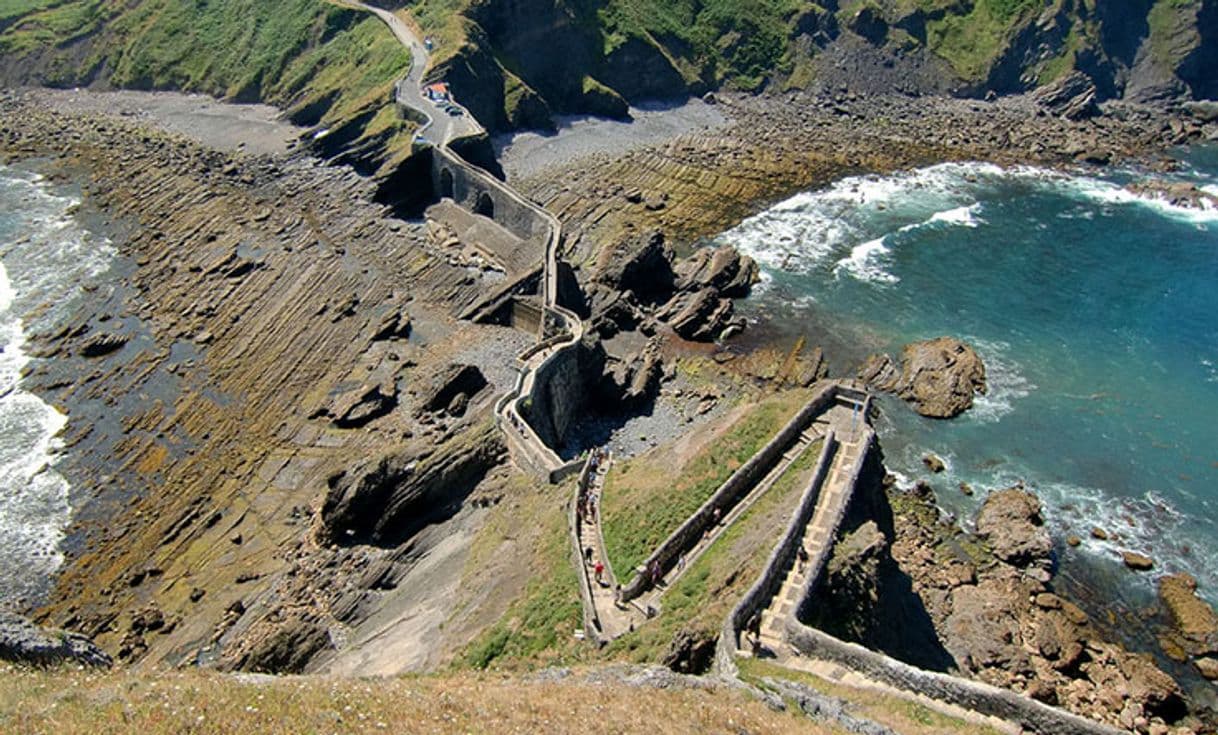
527,154
223,126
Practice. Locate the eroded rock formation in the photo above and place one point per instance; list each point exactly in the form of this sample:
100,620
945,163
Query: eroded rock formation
939,377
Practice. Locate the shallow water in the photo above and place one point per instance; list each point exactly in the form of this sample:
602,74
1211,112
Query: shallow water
1093,309
45,257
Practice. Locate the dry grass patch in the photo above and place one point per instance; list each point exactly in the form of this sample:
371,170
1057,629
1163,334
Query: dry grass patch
155,703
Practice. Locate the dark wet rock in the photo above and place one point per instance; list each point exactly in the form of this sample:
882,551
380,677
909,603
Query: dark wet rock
939,376
1176,193
21,641
456,383
388,498
934,463
1137,562
1099,534
1011,521
1072,97
103,343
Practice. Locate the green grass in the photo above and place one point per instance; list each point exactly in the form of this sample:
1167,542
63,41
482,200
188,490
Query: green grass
971,42
701,599
296,54
539,627
648,497
897,713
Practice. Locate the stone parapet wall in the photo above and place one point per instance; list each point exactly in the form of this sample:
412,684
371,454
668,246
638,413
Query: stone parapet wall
781,558
973,695
739,483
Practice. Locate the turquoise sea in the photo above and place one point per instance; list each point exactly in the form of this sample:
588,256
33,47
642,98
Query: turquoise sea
1095,310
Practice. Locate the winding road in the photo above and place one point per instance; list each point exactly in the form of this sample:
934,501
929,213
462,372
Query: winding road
441,127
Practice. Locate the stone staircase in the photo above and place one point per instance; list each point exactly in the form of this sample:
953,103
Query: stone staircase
614,619
814,433
818,536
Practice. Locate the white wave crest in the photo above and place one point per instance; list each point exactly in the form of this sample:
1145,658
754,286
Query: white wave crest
1005,382
865,262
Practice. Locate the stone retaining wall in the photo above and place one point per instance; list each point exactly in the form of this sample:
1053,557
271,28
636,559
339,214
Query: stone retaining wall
973,695
740,482
781,559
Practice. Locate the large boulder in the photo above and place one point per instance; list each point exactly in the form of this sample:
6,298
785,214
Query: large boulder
722,268
1011,522
21,641
1072,97
700,316
938,376
1194,622
641,264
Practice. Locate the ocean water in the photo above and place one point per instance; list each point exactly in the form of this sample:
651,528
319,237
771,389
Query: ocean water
1095,311
46,258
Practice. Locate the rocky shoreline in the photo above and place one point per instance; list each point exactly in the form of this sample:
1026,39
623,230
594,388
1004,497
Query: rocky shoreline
254,348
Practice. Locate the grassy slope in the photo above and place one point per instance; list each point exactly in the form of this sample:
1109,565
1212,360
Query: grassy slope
648,497
901,715
306,56
67,701
539,627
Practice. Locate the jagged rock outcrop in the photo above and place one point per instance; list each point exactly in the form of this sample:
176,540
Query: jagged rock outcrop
452,388
938,376
640,264
1011,522
1072,97
996,615
1194,624
700,316
1176,193
387,498
353,406
723,269
21,641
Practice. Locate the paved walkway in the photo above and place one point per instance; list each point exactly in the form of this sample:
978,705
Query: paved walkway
442,127
615,620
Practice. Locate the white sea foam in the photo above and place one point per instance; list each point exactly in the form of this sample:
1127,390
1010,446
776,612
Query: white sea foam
1005,382
866,262
47,259
962,216
1107,193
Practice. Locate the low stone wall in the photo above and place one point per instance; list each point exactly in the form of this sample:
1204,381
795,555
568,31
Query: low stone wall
973,695
743,479
817,564
781,559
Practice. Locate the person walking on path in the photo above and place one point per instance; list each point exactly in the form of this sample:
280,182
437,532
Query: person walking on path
588,555
600,571
754,629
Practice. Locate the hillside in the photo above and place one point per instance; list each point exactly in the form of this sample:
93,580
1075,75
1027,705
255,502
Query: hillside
320,63
517,64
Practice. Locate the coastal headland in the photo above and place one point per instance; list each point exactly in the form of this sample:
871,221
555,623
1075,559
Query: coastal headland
278,329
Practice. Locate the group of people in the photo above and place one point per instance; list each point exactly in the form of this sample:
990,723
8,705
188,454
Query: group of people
585,507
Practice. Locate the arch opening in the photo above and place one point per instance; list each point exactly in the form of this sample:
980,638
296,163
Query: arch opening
485,206
446,184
